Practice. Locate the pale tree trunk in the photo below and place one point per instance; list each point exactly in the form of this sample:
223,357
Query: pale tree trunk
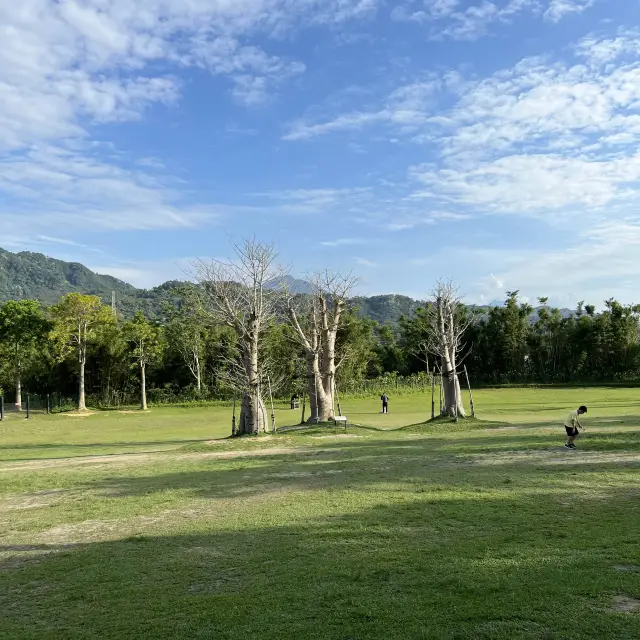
319,400
143,387
453,404
196,358
252,413
82,406
18,403
18,391
329,364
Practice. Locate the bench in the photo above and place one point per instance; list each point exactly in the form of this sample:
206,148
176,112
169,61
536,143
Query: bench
340,420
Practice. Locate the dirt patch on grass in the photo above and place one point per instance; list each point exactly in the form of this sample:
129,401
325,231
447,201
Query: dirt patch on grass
23,501
247,453
632,568
79,414
121,458
625,604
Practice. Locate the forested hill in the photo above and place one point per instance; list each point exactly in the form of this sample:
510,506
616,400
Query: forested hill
35,276
29,275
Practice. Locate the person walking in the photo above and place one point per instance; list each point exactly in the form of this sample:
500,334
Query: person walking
385,402
572,426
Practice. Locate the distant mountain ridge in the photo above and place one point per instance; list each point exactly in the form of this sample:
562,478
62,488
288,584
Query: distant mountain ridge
28,275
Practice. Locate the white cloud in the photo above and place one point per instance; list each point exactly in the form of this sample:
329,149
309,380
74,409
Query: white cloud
601,261
146,275
558,9
364,262
68,66
406,108
448,19
63,188
535,183
598,50
538,138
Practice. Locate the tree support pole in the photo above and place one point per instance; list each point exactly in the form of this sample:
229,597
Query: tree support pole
274,428
233,420
473,411
433,395
338,399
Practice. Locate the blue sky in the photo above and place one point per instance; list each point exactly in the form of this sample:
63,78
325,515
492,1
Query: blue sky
407,140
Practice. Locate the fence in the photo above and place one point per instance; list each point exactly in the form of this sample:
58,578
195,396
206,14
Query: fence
391,383
35,404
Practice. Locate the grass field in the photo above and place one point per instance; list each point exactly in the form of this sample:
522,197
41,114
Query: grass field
129,525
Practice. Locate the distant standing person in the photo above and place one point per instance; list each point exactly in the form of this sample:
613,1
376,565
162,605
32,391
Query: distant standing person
385,402
572,425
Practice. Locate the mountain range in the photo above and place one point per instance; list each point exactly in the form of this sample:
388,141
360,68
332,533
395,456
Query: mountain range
28,275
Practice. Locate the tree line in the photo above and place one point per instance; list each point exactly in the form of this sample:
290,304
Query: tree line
230,334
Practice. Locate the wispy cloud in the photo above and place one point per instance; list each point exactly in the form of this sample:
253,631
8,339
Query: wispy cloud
559,9
364,262
450,19
499,283
67,67
344,242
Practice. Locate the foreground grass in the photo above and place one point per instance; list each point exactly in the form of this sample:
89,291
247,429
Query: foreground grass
480,530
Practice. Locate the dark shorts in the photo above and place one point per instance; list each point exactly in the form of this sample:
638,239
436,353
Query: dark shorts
572,431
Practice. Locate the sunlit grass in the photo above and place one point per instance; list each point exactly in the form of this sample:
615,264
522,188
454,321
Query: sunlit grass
484,529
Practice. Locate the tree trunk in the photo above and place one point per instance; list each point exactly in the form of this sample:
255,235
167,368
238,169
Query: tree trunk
453,405
253,412
319,400
198,372
143,388
252,415
81,398
18,392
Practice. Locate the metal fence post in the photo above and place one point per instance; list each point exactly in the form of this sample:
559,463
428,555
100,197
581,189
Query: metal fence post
48,403
1,408
28,408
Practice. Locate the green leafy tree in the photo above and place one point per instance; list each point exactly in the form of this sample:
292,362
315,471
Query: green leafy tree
23,328
79,323
147,345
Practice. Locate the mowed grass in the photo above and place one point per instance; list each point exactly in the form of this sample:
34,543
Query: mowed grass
129,525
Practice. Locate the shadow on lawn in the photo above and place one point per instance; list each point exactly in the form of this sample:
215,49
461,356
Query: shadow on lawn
421,568
471,464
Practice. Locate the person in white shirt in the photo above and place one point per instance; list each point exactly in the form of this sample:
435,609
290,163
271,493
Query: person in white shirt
572,426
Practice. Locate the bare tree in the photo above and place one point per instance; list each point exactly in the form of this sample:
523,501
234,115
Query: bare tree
316,320
187,328
448,322
236,295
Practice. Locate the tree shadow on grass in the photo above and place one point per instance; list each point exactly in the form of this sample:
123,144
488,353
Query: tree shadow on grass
420,568
464,465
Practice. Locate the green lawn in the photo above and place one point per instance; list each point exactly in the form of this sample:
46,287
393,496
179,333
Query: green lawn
477,530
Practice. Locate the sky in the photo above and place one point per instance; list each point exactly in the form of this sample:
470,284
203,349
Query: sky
492,142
